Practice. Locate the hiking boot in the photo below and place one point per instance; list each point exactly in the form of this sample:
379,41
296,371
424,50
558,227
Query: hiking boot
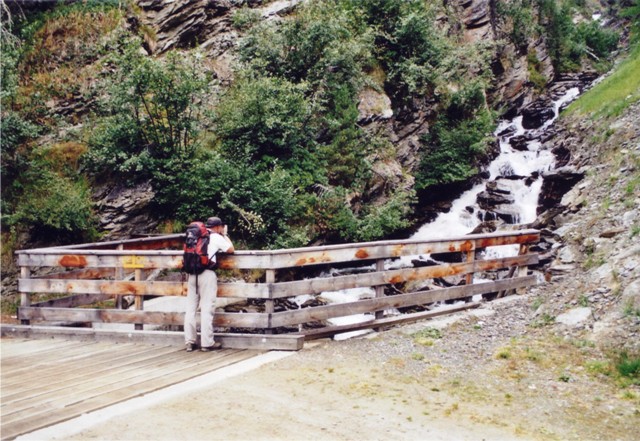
211,348
190,347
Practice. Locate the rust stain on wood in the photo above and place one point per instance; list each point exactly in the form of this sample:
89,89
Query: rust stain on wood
72,260
362,254
396,279
301,262
397,250
466,246
130,288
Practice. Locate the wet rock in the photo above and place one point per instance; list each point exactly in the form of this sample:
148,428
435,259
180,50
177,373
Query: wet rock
537,113
520,142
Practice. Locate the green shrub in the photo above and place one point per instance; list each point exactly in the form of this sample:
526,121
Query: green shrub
518,19
629,367
55,208
267,122
599,41
457,140
244,18
153,113
632,12
336,220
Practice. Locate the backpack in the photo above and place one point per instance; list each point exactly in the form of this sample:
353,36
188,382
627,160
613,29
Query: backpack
195,258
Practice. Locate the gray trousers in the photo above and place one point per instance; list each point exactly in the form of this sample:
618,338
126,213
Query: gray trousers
205,297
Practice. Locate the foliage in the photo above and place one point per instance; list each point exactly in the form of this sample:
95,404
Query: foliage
258,206
518,17
568,44
152,113
337,221
244,18
56,59
632,12
415,50
267,122
457,140
57,208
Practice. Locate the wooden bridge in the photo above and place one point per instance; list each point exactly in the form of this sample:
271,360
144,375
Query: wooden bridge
266,282
47,381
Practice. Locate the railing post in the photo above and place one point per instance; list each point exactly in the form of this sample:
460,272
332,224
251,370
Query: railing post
380,288
471,256
25,301
522,271
119,275
139,302
269,305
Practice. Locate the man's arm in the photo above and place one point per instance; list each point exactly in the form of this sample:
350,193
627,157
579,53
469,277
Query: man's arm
231,250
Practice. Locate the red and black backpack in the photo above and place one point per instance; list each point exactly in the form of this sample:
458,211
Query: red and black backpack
195,258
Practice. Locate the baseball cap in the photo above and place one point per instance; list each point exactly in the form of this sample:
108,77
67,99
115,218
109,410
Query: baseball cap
213,222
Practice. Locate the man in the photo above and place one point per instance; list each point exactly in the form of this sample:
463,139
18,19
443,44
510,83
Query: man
203,290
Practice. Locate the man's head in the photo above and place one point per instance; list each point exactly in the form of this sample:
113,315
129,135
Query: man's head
214,223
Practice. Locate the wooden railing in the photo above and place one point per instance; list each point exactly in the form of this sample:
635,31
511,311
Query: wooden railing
90,273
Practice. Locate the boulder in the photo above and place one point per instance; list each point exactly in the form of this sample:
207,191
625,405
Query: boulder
574,317
124,210
520,142
537,113
373,105
555,184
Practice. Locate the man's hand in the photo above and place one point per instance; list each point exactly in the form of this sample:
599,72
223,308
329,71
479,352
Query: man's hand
224,232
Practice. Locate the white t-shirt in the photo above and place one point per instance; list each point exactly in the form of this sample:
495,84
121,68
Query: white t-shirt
217,242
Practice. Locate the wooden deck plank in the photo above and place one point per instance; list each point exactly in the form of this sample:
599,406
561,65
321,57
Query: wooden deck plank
48,414
22,367
51,368
85,382
65,371
46,348
74,385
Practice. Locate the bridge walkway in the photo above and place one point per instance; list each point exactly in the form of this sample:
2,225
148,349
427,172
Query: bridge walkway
47,381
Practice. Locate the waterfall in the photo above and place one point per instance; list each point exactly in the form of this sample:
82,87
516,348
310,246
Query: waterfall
516,173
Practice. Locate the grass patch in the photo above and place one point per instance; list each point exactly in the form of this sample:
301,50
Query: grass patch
615,93
426,336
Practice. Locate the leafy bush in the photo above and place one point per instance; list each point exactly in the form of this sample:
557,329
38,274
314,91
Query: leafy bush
267,122
599,41
55,208
632,12
518,19
416,50
152,114
457,140
339,223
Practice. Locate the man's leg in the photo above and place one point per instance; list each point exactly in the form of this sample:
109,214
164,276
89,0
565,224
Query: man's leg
193,298
208,282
